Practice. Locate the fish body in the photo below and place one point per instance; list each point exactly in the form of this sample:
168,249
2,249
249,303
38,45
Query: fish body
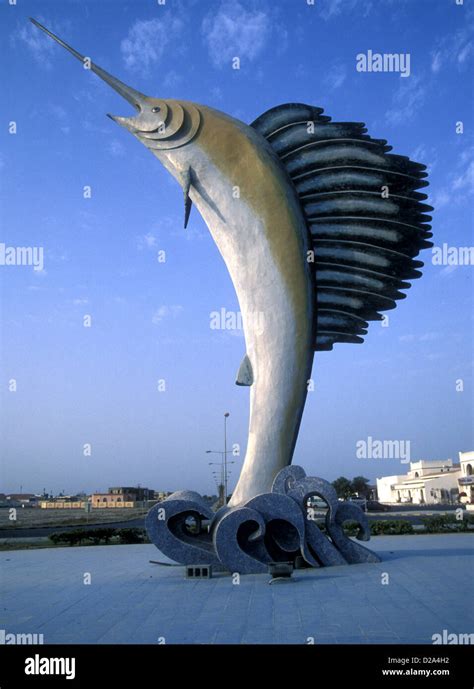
255,218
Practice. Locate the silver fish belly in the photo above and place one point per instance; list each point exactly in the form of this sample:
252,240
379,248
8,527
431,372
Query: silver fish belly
264,247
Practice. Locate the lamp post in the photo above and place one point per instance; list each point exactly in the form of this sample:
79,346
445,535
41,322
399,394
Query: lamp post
226,415
219,464
223,464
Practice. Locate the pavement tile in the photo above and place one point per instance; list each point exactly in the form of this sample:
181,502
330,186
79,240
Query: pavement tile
132,601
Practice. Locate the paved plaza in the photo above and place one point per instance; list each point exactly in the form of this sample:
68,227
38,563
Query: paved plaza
429,588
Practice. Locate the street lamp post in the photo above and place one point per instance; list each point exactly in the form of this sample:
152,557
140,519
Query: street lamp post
226,415
219,464
223,464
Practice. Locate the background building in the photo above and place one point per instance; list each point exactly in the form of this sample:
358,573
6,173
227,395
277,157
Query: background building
116,497
466,479
427,482
22,500
133,493
123,496
64,502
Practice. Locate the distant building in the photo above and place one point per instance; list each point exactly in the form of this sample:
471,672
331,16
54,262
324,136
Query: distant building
22,499
426,483
466,480
116,497
123,496
133,493
64,502
104,500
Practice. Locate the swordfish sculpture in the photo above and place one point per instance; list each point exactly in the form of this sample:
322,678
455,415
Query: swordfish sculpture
319,226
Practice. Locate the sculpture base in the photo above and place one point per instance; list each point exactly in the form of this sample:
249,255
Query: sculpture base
273,527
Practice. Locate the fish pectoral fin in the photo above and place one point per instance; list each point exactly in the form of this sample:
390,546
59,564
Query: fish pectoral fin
245,374
187,181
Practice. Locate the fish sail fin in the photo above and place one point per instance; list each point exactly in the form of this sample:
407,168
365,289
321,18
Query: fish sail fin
366,220
245,374
186,183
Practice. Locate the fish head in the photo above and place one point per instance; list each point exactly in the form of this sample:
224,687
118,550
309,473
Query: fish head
152,115
162,125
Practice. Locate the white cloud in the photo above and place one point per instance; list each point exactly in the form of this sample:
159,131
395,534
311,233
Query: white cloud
465,52
147,40
425,337
40,46
429,337
216,94
90,125
332,8
57,111
166,312
440,199
336,77
436,62
57,256
427,156
116,148
455,48
459,184
465,180
233,31
40,273
447,270
80,302
407,100
147,241
59,114
172,79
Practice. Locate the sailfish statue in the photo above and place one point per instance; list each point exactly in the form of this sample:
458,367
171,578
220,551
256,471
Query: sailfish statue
319,226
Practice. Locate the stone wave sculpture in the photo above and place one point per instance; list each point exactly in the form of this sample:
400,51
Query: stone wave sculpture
279,526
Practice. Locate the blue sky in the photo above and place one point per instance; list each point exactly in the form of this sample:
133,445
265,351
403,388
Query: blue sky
151,320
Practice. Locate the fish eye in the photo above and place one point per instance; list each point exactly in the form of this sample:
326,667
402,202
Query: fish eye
156,108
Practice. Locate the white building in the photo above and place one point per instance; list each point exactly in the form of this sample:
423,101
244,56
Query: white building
466,480
426,483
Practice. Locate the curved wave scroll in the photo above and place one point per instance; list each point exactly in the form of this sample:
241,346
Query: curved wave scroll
280,526
168,527
268,528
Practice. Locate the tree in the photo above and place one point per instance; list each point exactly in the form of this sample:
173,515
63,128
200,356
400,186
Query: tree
360,485
343,487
